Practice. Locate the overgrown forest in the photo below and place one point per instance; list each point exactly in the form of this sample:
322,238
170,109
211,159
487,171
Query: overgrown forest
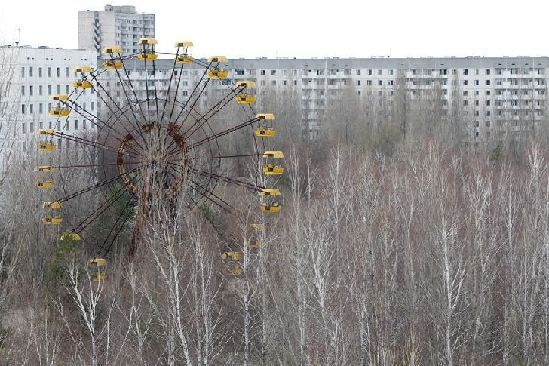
400,242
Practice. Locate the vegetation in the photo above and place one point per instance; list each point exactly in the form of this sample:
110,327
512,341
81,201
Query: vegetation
400,242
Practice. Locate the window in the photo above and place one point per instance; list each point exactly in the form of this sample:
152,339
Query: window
477,82
49,89
58,89
76,124
23,128
39,72
465,82
369,82
466,72
487,71
487,102
67,89
66,72
49,108
30,71
22,89
369,71
23,109
380,82
380,72
40,108
273,72
465,93
31,108
39,89
487,82
358,72
30,90
49,72
92,106
58,72
22,72
262,72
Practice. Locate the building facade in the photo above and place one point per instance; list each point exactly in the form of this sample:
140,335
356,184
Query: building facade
497,95
116,25
37,75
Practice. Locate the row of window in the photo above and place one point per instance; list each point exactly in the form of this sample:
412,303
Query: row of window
512,103
379,72
66,125
29,108
47,72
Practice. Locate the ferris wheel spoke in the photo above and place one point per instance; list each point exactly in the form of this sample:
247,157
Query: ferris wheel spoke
170,84
210,114
177,90
224,132
186,105
204,119
119,230
114,116
122,83
94,215
78,108
155,88
92,165
212,197
74,106
236,156
86,142
229,180
95,186
201,63
128,99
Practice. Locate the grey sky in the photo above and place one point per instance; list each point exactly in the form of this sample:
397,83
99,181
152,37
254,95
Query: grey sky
307,28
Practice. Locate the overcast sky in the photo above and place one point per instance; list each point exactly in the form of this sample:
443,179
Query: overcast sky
307,28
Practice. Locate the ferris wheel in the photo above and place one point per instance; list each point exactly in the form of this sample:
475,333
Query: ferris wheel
158,143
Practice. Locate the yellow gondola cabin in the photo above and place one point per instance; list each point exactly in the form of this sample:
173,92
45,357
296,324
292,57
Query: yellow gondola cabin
271,169
265,132
52,220
45,184
46,147
272,208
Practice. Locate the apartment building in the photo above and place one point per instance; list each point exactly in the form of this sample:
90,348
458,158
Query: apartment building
116,25
498,95
37,74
